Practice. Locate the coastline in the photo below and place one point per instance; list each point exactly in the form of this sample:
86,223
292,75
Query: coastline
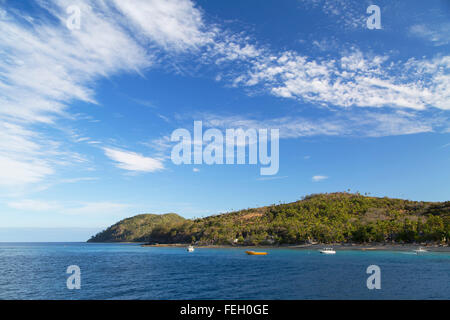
336,246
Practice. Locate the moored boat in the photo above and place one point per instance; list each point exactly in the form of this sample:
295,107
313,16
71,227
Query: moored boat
256,253
190,249
327,251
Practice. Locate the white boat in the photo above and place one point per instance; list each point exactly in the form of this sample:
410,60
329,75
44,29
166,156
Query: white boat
327,251
420,250
190,249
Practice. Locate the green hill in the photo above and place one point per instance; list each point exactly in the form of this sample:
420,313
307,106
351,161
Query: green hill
324,218
138,228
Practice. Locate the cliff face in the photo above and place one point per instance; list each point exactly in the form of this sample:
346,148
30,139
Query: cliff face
335,217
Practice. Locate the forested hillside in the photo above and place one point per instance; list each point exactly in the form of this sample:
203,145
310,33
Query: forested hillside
324,218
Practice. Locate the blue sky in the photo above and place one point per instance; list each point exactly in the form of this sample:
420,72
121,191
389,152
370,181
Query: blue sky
86,114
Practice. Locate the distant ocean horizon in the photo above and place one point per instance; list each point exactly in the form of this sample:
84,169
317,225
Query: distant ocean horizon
129,271
31,234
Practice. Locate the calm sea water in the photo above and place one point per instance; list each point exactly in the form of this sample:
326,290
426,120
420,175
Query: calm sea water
128,271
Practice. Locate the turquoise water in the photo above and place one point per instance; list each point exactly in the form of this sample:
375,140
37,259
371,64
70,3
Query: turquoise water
128,271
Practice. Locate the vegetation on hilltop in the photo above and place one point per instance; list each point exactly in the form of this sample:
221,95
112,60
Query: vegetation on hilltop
324,218
138,228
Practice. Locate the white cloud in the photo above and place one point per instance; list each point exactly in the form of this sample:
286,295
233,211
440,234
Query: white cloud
45,67
97,208
353,80
346,14
14,172
318,178
196,170
33,205
233,48
132,161
22,157
81,208
347,123
391,124
80,179
438,34
27,156
160,145
172,24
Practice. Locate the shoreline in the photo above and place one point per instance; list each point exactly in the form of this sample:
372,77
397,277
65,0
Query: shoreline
337,246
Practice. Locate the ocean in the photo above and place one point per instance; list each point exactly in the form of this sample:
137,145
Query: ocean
129,271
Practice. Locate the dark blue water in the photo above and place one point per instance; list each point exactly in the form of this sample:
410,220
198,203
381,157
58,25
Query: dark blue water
128,271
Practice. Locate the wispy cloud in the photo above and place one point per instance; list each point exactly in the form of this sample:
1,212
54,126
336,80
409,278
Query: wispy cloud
70,208
319,178
355,79
346,14
33,205
160,145
97,208
438,34
75,180
45,67
22,157
348,123
132,161
174,24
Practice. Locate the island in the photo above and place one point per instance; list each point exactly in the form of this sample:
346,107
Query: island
340,218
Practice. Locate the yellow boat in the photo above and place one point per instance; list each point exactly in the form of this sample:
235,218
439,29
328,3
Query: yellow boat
254,253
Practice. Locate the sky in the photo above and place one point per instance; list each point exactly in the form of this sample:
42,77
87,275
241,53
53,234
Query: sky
92,91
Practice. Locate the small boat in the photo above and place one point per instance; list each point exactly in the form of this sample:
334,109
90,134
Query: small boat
190,249
327,251
420,250
255,253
